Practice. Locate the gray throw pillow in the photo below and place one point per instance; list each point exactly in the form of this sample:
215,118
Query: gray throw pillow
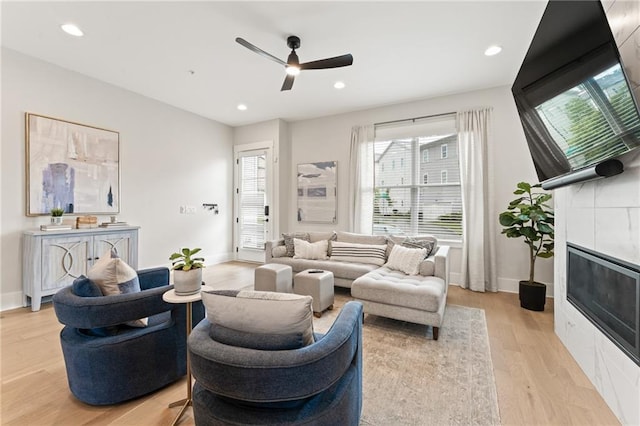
288,241
414,243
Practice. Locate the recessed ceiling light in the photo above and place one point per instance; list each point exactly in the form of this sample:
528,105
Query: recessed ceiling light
72,29
493,50
339,85
242,107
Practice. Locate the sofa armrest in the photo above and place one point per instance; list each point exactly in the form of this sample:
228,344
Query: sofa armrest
442,264
268,248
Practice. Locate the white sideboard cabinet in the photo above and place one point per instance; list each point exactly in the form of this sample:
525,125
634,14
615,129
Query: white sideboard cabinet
53,259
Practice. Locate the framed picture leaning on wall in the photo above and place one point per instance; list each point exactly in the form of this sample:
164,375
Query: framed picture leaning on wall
317,192
71,166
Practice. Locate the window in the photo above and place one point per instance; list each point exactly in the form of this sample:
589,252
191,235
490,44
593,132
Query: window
404,199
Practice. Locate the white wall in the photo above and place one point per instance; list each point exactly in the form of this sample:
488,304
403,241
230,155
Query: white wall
327,138
169,158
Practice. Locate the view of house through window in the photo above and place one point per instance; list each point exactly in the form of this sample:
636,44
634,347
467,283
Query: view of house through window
406,201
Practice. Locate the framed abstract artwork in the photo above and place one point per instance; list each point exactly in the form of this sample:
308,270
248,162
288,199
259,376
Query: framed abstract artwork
317,192
71,166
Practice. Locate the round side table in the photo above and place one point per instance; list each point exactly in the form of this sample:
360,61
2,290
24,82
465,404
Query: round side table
171,297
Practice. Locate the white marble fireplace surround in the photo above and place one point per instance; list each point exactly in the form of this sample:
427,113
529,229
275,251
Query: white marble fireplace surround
602,215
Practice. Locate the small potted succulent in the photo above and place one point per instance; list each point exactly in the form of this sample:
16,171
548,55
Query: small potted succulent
56,215
187,271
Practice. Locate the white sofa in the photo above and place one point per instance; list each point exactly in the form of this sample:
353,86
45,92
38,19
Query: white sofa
385,292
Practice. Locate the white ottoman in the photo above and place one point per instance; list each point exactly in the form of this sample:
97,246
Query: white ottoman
273,277
318,285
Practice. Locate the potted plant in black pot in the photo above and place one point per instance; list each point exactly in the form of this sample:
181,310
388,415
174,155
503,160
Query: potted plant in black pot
529,217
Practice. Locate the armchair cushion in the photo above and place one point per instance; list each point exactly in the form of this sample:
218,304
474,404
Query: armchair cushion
84,287
251,319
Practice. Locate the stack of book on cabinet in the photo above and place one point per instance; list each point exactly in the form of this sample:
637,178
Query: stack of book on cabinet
86,222
113,224
54,227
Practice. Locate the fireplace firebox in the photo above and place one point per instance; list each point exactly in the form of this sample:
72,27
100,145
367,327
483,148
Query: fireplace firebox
607,292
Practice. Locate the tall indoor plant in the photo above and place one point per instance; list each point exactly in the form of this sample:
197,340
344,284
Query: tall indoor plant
529,217
187,271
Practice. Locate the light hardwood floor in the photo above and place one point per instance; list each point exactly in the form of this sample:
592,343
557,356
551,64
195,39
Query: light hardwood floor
537,381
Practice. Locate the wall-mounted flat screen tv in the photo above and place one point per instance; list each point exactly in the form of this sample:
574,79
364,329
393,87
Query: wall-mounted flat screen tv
573,97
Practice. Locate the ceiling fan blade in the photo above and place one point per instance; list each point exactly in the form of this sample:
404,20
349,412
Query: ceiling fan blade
288,82
259,51
335,62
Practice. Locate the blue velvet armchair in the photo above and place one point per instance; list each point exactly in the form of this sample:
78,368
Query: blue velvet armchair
108,362
319,384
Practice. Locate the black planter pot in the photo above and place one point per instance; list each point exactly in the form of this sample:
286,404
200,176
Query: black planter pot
532,296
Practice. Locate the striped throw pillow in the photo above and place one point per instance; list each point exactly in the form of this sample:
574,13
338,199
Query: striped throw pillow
359,253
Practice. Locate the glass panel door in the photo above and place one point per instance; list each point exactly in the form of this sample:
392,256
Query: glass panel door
252,220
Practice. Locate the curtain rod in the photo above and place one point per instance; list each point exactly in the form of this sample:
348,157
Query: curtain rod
413,120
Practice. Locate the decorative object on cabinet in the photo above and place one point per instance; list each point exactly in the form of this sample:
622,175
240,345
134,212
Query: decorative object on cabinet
72,166
56,215
53,259
187,271
317,192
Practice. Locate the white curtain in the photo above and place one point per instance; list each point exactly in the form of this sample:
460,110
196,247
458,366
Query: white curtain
361,180
478,248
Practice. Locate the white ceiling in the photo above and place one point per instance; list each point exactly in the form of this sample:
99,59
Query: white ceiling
402,50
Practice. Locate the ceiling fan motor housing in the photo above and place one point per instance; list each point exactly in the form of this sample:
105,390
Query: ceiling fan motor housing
293,42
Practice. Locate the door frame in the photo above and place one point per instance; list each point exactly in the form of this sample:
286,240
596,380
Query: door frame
269,190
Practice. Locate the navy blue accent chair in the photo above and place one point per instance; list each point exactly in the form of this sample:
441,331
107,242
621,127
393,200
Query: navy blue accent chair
108,362
319,384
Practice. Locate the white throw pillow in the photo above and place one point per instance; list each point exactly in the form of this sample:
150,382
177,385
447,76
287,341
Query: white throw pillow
113,276
312,251
406,259
261,312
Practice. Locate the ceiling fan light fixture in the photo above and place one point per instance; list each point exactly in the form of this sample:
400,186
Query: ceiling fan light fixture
293,70
72,29
339,85
242,107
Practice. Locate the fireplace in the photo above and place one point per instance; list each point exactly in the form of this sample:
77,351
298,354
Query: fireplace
607,292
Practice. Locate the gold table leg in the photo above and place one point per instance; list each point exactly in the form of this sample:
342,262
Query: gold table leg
187,401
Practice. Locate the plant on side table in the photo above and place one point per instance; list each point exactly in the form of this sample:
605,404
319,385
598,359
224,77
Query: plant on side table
529,217
56,215
187,271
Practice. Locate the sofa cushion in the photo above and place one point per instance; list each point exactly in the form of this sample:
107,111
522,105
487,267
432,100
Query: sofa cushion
391,287
263,313
344,270
406,259
418,241
288,241
361,253
350,237
319,236
113,276
306,250
279,251
427,267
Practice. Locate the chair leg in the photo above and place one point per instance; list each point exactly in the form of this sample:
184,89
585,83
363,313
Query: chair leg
435,332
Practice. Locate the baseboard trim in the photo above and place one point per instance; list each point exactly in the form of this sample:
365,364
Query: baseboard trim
505,285
11,300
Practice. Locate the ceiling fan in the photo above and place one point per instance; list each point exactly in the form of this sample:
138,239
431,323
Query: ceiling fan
293,65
